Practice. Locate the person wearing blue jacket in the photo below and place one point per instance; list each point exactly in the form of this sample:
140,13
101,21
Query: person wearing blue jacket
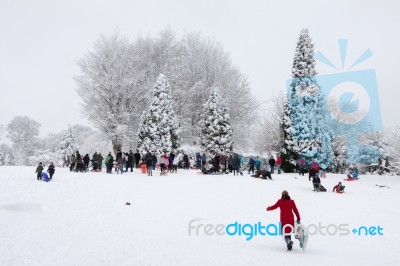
198,161
257,163
356,173
251,165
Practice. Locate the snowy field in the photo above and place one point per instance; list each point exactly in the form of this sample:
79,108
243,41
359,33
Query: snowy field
82,219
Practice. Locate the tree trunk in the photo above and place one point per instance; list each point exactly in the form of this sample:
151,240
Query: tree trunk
117,144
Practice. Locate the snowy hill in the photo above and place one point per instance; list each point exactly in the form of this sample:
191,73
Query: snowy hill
82,219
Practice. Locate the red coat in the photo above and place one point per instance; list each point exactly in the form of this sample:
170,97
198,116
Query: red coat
287,207
278,160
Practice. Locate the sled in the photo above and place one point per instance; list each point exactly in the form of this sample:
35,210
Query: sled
45,177
350,179
302,236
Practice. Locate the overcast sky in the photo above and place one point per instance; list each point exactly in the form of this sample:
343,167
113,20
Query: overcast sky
41,41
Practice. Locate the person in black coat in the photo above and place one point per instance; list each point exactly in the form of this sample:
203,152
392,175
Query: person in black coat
51,169
149,163
137,158
186,163
272,164
110,162
236,164
86,160
129,163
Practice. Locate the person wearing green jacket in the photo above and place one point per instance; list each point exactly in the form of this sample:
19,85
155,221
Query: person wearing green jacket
39,170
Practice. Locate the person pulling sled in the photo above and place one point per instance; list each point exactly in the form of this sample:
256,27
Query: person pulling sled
288,207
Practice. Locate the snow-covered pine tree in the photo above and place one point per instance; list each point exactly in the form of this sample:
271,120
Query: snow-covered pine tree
159,129
311,136
68,144
143,140
216,132
288,151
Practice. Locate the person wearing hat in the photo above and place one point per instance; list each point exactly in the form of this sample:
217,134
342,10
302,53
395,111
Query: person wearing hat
39,170
288,207
51,169
339,188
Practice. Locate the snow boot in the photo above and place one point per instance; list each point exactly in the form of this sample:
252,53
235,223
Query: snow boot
290,245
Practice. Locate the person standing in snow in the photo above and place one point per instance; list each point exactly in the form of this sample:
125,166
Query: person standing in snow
314,169
222,163
176,162
171,160
271,163
236,164
118,159
154,159
95,161
51,169
278,163
203,162
186,164
109,161
166,161
302,166
39,170
137,159
356,173
73,162
162,163
230,161
86,160
251,165
198,161
149,163
257,163
288,207
100,161
129,163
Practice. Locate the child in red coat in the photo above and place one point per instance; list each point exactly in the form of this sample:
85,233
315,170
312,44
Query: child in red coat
287,206
339,188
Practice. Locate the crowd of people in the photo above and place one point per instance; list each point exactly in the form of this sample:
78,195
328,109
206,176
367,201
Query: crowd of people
171,162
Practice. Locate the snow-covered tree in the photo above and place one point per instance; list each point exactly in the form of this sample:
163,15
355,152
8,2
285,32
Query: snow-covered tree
6,154
111,87
1,131
311,136
216,132
143,139
23,132
266,135
118,71
391,142
68,144
159,129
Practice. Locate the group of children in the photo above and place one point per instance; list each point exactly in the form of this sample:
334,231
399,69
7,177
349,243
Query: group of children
39,170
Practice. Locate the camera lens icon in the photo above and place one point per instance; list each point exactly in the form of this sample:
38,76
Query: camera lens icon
349,103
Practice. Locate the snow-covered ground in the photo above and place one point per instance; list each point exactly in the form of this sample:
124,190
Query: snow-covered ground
82,219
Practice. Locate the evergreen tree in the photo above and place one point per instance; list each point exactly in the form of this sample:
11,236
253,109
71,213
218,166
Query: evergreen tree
216,132
143,139
159,129
68,144
310,135
288,152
